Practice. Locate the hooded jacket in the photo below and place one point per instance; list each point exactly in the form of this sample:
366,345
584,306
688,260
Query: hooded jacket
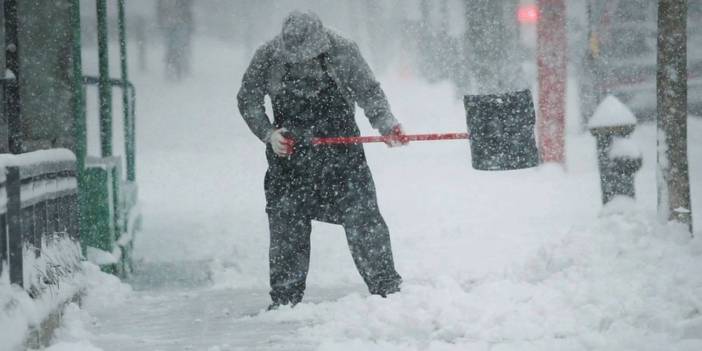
304,38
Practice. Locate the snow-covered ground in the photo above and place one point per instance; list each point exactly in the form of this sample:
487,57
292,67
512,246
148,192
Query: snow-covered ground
524,260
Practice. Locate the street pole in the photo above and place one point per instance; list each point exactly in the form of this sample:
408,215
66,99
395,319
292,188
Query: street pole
673,171
552,68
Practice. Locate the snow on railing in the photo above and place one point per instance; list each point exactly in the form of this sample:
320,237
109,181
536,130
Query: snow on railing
39,218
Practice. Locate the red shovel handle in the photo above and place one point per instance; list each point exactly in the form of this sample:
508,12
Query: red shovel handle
388,138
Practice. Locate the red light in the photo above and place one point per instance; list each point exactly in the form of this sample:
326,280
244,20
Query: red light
528,14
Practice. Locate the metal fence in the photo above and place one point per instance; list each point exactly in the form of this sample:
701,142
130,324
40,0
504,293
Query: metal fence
38,204
41,195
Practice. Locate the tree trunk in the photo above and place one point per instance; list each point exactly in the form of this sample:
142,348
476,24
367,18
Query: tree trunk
674,182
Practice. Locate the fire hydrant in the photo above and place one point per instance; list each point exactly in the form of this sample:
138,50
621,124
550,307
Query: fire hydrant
619,157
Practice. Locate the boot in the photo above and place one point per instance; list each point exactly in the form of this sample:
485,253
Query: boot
284,302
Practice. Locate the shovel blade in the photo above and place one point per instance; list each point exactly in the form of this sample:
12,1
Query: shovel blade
502,131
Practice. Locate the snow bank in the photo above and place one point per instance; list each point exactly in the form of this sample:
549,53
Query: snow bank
610,113
59,259
72,336
55,275
19,312
623,284
100,257
102,290
73,346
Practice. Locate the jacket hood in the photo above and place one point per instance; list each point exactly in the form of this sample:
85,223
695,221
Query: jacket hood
303,37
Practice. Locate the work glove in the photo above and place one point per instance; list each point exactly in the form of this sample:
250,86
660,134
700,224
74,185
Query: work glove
399,138
282,145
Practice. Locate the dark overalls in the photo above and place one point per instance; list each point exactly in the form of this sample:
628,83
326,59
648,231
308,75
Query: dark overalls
330,184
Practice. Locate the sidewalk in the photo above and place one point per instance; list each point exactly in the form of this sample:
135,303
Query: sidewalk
192,319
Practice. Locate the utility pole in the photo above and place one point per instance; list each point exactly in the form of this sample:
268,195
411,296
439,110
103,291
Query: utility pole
673,171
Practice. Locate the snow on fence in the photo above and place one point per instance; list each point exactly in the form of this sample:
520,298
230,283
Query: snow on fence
39,223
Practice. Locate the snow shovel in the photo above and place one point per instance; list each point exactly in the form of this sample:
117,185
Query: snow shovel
501,132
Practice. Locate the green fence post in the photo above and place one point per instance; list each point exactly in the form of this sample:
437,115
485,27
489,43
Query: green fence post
81,141
126,106
132,135
99,210
78,93
13,185
104,84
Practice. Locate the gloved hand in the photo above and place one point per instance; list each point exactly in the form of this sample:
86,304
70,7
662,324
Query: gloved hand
398,137
282,145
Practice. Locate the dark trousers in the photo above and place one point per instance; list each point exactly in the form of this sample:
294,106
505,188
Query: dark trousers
368,238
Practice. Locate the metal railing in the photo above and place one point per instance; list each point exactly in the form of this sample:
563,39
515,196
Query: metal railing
38,204
108,201
104,197
129,119
105,85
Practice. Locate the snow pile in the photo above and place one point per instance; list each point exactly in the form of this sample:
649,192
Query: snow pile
19,312
73,346
100,257
52,278
103,290
611,113
623,284
59,260
72,336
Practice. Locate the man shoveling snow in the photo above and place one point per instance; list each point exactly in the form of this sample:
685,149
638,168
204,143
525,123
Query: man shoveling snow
314,78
